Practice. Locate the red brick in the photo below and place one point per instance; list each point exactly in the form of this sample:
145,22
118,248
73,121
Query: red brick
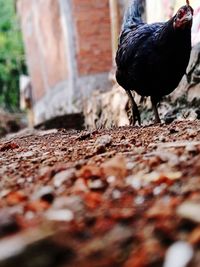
93,36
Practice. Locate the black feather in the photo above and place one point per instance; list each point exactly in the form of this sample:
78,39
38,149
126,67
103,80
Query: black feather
133,15
151,58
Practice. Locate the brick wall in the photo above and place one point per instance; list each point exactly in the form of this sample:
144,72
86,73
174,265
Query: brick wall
93,43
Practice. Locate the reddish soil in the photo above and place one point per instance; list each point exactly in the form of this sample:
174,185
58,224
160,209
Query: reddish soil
115,197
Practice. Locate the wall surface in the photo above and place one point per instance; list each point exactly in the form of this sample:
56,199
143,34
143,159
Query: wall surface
68,50
92,32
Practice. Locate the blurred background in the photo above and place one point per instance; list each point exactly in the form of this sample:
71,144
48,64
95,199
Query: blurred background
57,61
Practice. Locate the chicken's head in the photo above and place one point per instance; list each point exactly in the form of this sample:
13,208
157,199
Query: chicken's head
183,17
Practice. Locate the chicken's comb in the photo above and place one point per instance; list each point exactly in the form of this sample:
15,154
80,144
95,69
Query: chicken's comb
188,2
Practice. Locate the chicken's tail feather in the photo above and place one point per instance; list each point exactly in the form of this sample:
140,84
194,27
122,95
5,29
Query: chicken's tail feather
132,16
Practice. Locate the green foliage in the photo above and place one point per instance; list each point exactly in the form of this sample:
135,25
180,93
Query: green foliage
12,62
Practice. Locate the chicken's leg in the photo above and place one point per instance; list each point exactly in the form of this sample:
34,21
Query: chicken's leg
134,109
154,102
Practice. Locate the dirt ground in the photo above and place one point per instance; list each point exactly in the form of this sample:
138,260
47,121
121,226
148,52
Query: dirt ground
126,196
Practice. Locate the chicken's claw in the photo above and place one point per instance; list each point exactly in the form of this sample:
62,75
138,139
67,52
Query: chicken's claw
134,109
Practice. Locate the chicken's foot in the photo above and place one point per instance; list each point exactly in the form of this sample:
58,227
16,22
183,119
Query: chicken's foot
154,102
134,109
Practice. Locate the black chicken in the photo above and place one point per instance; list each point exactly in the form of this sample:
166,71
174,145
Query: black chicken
152,58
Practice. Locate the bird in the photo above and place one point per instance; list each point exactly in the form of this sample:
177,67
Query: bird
152,58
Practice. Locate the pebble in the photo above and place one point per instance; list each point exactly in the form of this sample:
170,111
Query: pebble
44,193
74,203
173,130
42,171
162,138
189,210
21,181
10,248
159,189
111,179
139,200
29,215
62,177
4,193
8,223
97,184
179,255
130,165
116,194
135,182
191,132
191,148
104,140
29,179
60,215
27,154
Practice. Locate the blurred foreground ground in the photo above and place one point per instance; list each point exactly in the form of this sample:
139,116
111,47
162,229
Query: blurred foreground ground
118,197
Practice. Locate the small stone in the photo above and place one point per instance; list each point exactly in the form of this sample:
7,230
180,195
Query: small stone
21,181
29,215
139,200
173,130
191,148
47,132
27,154
116,194
43,171
14,249
29,179
111,179
130,165
45,193
189,210
104,140
9,248
162,138
80,186
194,237
191,132
179,255
169,119
100,149
96,184
4,193
60,215
74,203
159,189
133,181
62,177
8,224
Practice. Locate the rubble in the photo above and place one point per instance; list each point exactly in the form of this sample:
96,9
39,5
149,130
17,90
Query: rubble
135,204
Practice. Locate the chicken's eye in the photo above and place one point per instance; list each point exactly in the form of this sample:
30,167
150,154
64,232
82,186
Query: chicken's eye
181,14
